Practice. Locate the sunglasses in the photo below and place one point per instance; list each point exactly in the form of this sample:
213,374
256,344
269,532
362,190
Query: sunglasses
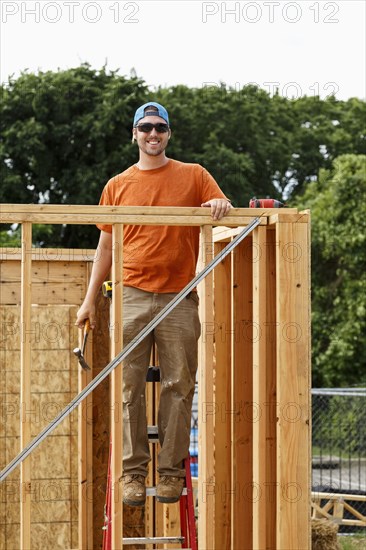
147,127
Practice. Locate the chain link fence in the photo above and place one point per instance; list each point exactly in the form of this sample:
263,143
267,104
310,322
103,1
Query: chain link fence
339,444
339,439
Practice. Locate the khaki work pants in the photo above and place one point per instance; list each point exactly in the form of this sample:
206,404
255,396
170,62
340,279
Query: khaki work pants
176,338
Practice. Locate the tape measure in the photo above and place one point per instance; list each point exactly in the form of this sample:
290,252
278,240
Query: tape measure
107,289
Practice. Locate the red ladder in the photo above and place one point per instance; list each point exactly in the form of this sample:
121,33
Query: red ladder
188,538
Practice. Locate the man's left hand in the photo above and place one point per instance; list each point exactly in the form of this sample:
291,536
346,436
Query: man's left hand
219,207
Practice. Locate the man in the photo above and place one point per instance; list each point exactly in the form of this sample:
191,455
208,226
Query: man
159,261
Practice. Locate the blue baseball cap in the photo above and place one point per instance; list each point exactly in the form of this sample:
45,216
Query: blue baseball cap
161,111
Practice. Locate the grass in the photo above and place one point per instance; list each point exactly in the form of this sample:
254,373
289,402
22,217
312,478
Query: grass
356,542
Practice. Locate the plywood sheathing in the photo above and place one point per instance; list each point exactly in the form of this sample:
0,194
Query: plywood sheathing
54,462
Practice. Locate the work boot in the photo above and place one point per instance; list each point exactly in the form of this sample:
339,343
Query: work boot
169,489
134,490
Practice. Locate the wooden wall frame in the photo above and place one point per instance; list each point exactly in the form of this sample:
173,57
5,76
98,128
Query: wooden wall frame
254,371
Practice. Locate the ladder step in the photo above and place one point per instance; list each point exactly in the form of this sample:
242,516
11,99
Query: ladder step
152,540
151,491
153,435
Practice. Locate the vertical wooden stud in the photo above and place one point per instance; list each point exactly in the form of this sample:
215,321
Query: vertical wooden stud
85,448
242,398
264,388
293,386
206,465
150,503
167,515
159,508
223,406
100,414
116,389
259,387
271,392
171,521
25,384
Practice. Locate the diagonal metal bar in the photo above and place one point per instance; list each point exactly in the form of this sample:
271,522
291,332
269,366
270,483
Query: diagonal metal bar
127,349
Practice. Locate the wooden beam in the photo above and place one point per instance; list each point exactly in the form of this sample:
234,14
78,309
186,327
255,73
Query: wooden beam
355,513
25,386
335,496
150,522
91,210
128,219
116,389
225,234
158,510
85,446
100,414
206,464
302,217
171,518
293,386
271,379
242,397
260,505
223,407
264,388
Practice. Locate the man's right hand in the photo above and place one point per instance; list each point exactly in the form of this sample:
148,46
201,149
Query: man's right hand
101,267
86,311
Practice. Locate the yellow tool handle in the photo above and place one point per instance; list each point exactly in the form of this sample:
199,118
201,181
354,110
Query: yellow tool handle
86,332
86,326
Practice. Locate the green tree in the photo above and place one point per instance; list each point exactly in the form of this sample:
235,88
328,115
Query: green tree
282,143
63,135
338,209
325,129
242,136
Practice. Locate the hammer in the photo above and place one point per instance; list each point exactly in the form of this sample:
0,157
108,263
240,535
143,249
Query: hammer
80,353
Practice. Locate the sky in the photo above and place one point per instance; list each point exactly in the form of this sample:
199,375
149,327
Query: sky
301,48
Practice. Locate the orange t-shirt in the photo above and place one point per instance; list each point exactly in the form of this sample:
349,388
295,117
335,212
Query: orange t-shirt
160,258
